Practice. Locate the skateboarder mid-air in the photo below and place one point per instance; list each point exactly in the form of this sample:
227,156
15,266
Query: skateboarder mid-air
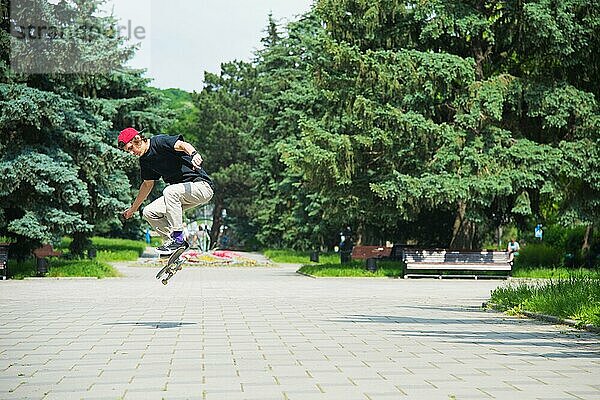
179,165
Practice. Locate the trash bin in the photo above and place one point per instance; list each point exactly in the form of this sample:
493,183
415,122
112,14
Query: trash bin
569,260
42,266
372,264
314,256
4,260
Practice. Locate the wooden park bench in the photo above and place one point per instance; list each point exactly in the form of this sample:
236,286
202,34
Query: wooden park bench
432,262
41,254
365,252
46,251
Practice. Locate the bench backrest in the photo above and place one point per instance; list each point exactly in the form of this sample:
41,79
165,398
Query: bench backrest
364,252
454,257
46,251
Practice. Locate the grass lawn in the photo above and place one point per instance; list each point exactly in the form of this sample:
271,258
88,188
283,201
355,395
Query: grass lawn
575,297
89,268
108,250
550,273
391,269
63,268
299,257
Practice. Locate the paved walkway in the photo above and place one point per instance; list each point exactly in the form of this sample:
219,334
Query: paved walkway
268,333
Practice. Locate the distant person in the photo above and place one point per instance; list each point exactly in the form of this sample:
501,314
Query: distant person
207,240
178,164
193,234
186,232
204,238
346,239
513,250
224,239
201,239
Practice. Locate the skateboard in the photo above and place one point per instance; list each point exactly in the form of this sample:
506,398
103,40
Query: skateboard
174,264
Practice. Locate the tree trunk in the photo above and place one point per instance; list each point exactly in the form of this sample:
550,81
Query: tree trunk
81,242
585,248
463,230
359,237
586,239
480,54
217,221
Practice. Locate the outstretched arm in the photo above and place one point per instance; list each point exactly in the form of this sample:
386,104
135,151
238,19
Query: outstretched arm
145,189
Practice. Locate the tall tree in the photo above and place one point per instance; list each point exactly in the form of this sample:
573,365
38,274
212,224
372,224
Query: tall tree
287,212
436,106
225,115
63,174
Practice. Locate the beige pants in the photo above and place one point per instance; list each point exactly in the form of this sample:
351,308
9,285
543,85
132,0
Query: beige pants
165,214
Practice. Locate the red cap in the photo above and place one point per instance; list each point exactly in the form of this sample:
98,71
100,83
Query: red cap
127,134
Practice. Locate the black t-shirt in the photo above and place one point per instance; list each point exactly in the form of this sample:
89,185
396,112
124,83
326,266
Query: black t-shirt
163,161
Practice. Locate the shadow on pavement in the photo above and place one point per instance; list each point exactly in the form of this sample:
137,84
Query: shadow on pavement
447,308
388,319
149,255
155,325
551,344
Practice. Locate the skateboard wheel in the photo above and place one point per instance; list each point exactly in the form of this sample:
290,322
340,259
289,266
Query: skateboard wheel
165,281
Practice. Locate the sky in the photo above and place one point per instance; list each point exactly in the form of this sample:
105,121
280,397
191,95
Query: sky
180,39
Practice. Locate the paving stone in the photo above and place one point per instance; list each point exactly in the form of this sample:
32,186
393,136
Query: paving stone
253,333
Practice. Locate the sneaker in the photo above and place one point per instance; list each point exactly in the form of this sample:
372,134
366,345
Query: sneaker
170,246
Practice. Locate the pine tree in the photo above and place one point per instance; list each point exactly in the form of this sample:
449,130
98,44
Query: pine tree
61,172
436,106
224,118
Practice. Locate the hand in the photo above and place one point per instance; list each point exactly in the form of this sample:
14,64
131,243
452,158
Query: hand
128,213
197,160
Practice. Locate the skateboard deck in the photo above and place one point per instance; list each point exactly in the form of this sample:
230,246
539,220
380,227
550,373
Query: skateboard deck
174,264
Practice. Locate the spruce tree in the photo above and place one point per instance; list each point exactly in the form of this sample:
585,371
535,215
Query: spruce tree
61,171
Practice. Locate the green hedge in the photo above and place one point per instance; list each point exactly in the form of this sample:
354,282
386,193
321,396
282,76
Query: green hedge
569,242
538,255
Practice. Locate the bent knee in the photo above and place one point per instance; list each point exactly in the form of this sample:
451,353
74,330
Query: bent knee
148,214
171,191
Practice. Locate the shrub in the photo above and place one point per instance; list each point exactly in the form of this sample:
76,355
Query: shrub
574,242
21,269
538,255
555,236
574,239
